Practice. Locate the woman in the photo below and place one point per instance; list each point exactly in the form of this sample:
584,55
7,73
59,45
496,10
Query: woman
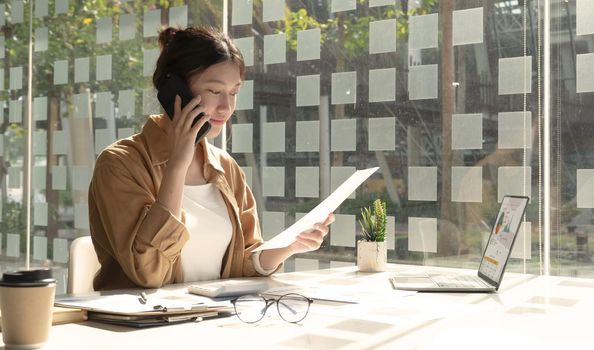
163,209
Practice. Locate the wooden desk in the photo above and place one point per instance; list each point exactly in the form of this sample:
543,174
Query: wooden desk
529,312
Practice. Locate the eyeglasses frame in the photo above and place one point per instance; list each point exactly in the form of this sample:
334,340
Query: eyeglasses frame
269,302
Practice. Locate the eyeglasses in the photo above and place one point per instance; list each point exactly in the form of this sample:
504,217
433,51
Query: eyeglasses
291,307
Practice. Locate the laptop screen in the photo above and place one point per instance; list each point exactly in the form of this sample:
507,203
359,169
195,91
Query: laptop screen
503,235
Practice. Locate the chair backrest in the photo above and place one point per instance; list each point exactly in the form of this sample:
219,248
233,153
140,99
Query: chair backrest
82,266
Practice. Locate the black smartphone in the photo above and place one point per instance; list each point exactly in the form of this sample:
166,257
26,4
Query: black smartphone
175,85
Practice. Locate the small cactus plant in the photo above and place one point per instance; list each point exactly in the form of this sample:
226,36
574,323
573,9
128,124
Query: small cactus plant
373,222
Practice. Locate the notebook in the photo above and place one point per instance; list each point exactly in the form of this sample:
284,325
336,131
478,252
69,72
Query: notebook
493,263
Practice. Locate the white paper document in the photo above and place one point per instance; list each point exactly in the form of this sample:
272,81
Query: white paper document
320,212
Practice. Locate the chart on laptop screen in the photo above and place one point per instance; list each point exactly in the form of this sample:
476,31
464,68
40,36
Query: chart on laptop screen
501,239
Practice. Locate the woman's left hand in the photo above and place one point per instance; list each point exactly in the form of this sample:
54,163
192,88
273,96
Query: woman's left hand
311,239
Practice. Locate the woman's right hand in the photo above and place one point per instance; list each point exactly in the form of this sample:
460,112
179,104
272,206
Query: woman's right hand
182,134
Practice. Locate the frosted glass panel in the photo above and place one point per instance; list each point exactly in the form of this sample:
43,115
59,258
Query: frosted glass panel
308,90
103,138
585,188
342,231
514,130
463,20
514,180
39,142
273,223
81,216
60,72
15,111
39,177
273,10
16,78
13,245
302,264
423,31
343,135
103,105
41,37
125,132
60,250
422,82
81,177
585,72
40,8
16,11
152,23
338,174
307,182
382,36
127,29
242,136
375,3
178,16
61,6
149,60
245,98
422,183
150,104
104,30
308,44
342,5
467,131
382,134
14,177
59,174
275,48
515,75
104,67
241,12
60,142
82,105
467,184
584,12
308,136
273,137
126,102
40,214
246,46
390,232
422,235
344,88
273,181
382,85
81,69
40,108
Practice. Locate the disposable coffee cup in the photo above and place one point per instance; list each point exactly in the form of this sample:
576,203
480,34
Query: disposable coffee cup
26,302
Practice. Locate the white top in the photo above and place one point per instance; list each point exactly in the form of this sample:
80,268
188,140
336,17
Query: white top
210,230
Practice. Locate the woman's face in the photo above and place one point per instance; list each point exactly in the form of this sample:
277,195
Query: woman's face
218,86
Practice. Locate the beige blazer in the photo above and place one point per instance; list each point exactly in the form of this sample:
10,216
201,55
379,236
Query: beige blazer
138,241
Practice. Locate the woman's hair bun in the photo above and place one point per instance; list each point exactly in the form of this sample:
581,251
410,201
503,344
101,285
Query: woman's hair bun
166,35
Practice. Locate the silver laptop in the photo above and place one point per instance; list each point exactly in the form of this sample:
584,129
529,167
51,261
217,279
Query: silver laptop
495,257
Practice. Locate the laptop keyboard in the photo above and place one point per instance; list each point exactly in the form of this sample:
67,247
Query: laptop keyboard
458,281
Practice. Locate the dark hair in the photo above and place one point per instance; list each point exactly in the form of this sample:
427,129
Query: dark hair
186,52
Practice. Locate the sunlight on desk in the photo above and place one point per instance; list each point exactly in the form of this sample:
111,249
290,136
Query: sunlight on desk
528,312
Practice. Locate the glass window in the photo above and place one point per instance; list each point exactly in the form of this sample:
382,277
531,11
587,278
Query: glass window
452,117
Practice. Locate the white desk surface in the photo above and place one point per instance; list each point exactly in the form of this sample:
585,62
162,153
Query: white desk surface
528,312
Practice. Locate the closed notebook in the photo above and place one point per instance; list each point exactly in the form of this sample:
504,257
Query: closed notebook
63,315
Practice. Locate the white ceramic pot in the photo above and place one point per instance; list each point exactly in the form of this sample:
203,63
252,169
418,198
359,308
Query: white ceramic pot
372,256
